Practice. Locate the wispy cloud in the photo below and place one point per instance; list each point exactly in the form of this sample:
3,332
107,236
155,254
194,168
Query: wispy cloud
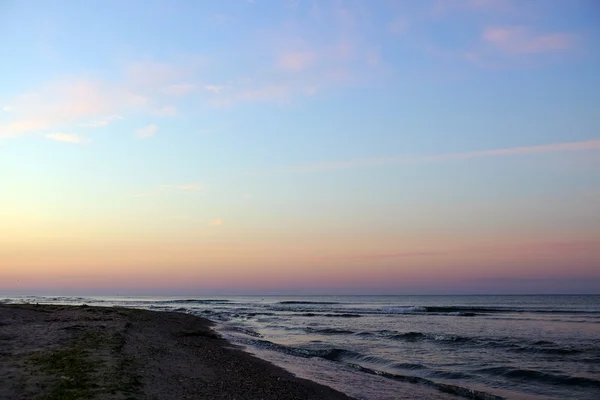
226,96
216,222
94,103
179,89
155,74
520,40
98,123
188,187
511,249
296,60
268,92
447,6
399,25
565,246
167,111
381,256
146,132
66,137
215,89
169,189
514,151
68,102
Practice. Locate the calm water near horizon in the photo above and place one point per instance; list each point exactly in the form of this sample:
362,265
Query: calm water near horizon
531,347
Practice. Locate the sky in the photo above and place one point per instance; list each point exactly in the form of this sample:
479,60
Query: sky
300,146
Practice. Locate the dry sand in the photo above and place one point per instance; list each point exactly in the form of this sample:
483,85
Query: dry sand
68,352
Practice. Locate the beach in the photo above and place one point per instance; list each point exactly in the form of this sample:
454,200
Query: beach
368,348
71,352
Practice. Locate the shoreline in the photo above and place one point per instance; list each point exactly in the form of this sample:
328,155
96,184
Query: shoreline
69,352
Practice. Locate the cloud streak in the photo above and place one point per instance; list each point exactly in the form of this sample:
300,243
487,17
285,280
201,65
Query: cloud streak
381,256
69,102
179,89
66,137
446,6
167,111
511,249
146,132
189,187
514,151
296,61
95,103
519,40
102,122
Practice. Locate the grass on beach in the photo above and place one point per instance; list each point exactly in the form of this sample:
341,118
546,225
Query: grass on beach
90,366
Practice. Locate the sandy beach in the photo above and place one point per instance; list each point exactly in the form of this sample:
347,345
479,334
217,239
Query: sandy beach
72,352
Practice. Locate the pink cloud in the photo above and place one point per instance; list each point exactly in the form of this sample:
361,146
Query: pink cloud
399,25
167,111
152,74
179,89
445,6
66,102
146,132
101,122
66,137
547,148
226,96
188,187
519,40
342,14
216,89
268,92
486,3
561,246
380,256
511,249
344,50
296,61
513,151
96,103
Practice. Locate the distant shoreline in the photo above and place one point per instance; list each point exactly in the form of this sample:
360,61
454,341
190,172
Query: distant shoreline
57,351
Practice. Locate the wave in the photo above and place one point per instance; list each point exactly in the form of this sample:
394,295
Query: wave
442,387
308,302
245,331
457,311
341,315
550,350
189,301
450,375
527,374
410,366
417,336
541,347
349,358
494,310
332,354
329,331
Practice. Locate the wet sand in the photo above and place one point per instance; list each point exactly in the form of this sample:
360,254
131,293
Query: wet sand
69,352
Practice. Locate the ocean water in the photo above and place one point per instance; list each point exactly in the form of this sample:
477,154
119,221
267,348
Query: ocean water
478,347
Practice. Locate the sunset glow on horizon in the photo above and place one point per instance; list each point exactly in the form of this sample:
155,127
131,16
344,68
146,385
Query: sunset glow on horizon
316,147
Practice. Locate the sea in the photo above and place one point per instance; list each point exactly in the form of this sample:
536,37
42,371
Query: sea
374,347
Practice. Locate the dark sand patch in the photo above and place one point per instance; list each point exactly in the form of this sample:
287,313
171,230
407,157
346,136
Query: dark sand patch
68,352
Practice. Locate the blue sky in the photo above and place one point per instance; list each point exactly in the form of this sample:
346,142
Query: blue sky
393,139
